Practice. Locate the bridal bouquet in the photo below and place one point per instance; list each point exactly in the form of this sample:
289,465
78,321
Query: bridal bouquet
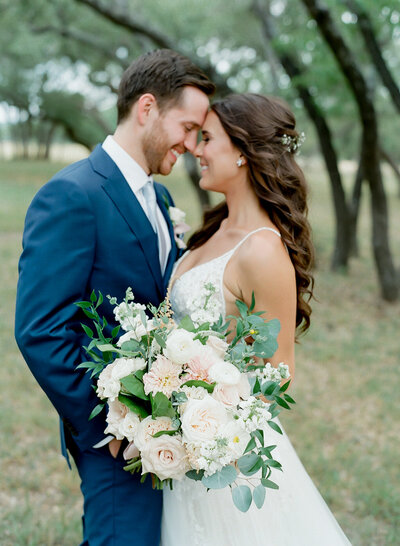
189,402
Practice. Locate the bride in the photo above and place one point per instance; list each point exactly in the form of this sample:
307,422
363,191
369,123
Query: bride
257,239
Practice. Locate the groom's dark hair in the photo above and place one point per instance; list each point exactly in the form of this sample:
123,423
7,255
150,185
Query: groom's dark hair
163,73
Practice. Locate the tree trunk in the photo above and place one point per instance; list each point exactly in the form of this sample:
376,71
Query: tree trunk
355,209
370,146
390,161
48,141
341,251
194,176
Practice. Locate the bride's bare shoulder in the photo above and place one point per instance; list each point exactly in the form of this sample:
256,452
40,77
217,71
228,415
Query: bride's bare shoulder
263,258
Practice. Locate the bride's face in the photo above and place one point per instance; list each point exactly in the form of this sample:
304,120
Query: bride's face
218,156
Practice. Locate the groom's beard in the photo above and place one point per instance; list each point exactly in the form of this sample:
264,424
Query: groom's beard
155,149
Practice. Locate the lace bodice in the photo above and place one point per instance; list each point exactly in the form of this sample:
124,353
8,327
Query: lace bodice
201,285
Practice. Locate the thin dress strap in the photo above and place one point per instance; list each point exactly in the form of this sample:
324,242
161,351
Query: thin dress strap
252,233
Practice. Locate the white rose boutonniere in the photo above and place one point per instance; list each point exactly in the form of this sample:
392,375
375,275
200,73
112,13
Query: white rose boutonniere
178,217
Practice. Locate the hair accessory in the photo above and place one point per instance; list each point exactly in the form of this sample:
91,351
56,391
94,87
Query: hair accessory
239,162
293,143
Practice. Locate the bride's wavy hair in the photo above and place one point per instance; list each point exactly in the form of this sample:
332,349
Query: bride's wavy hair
263,130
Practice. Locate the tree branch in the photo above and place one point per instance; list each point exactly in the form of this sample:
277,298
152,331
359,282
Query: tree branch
373,48
122,18
294,71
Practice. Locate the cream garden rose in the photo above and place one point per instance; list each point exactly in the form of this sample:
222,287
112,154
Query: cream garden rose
148,427
166,457
202,419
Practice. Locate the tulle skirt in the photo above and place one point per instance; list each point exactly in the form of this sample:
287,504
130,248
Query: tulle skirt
294,515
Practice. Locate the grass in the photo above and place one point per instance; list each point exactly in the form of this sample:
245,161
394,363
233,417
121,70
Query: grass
345,426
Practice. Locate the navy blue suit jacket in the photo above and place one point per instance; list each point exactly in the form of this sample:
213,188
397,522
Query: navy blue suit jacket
84,230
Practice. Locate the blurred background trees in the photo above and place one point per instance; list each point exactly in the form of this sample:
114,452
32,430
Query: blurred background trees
335,62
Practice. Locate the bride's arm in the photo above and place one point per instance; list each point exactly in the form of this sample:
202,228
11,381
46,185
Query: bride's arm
264,267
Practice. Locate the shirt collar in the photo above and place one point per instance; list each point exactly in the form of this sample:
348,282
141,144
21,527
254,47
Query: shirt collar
133,173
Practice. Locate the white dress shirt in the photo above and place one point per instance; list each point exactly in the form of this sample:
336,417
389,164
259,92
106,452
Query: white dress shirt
136,177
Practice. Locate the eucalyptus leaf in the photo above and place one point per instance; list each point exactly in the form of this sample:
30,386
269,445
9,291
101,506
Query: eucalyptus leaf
270,484
220,479
249,464
159,340
104,347
259,495
242,497
195,475
187,324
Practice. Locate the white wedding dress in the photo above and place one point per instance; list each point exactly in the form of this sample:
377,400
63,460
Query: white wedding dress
294,515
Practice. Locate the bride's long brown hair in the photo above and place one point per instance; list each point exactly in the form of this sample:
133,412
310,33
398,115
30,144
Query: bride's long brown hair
259,128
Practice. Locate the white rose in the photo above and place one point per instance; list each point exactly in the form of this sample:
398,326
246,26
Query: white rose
129,425
202,419
218,345
107,385
225,373
180,346
115,417
166,457
126,366
148,427
177,215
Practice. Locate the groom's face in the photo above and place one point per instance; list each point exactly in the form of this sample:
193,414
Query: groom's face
174,131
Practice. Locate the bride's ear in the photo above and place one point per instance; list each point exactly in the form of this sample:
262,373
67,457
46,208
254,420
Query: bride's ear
147,108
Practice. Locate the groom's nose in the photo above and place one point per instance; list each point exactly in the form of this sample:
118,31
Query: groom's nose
190,141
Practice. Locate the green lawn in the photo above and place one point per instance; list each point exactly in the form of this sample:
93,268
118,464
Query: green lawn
345,426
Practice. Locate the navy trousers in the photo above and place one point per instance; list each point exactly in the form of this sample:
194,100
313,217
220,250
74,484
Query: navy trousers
118,509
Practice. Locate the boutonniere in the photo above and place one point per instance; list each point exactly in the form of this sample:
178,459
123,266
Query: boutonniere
178,217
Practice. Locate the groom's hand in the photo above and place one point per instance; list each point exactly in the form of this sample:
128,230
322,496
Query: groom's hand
114,446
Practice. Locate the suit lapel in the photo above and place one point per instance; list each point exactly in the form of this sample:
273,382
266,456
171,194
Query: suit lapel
173,254
120,193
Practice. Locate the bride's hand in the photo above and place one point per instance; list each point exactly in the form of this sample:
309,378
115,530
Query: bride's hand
114,446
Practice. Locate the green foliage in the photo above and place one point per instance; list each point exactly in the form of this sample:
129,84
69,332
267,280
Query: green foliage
220,479
242,497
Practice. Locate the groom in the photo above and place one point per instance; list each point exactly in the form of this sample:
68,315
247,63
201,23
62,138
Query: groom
102,224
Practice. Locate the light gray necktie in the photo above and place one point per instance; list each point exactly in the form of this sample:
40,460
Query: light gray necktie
151,203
